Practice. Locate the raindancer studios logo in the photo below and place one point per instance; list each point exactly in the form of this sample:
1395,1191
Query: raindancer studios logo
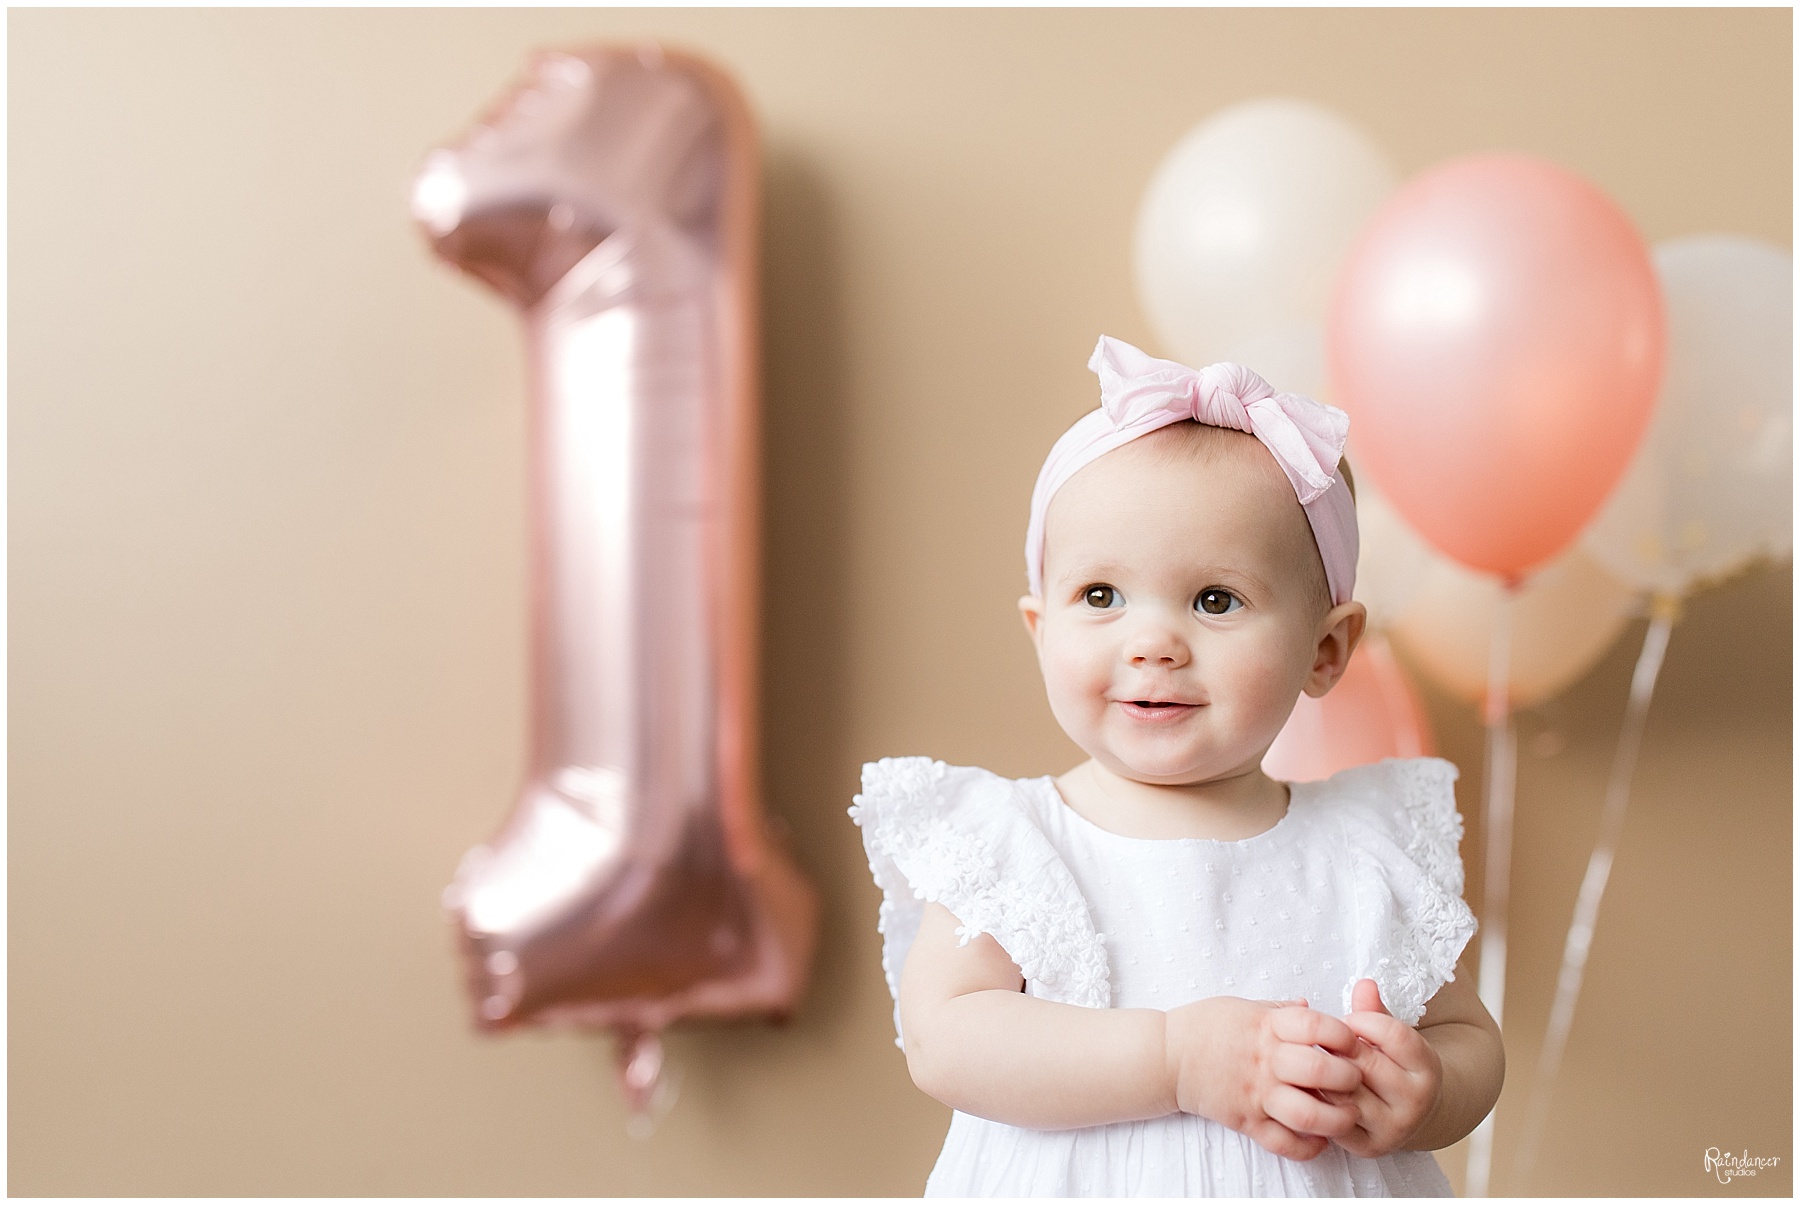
1728,1167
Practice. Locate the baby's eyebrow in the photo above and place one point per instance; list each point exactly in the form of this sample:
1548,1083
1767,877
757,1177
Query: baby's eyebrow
1084,574
1250,587
1099,571
1231,577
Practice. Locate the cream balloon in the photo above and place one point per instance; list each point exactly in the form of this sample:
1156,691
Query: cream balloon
1711,488
1241,231
1564,619
1393,559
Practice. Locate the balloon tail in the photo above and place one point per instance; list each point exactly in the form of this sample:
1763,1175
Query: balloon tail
645,1080
1593,884
1497,817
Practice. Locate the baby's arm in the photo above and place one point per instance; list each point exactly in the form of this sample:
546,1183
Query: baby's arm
977,1043
1423,1089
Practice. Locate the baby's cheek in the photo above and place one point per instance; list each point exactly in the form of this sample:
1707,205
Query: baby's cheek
1269,689
1074,689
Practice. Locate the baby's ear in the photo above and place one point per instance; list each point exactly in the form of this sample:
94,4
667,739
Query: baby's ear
1340,633
1031,609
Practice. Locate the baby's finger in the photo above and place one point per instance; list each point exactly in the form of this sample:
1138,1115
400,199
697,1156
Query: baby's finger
1386,1081
1365,997
1277,1139
1395,1039
1307,1114
1371,1113
1309,1027
1359,1142
1379,1029
1311,1067
1374,1116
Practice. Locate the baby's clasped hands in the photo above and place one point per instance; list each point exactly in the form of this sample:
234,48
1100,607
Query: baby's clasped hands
1247,1064
1292,1078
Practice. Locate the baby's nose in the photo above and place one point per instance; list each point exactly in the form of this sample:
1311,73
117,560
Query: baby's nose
1159,649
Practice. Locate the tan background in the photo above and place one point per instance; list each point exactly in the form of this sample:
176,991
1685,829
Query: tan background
267,572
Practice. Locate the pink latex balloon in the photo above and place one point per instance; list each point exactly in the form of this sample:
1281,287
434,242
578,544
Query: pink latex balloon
1370,714
612,197
1497,339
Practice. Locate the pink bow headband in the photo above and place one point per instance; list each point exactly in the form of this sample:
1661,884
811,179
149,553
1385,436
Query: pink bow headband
1139,394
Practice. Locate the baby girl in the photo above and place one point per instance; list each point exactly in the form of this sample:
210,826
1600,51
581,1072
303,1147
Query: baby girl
1165,973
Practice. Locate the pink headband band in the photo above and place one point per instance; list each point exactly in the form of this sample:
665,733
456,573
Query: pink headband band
1139,394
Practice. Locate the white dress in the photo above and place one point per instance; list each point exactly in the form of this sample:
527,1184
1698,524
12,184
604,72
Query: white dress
1360,879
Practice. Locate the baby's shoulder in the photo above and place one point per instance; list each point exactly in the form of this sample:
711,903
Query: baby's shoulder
905,797
1409,802
1393,783
969,839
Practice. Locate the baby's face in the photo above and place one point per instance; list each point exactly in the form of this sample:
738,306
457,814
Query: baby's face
1180,618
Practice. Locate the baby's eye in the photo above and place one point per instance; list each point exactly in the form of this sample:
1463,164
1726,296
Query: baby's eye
1102,598
1218,602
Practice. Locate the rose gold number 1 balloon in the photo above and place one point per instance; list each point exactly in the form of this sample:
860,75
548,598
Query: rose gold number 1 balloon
612,198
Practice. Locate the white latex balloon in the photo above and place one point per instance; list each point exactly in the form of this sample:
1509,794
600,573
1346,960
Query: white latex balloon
1712,485
1393,559
1241,232
1564,619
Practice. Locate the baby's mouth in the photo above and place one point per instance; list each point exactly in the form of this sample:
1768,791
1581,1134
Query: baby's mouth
1155,710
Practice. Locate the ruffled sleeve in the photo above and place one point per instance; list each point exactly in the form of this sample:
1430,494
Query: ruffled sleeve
961,837
1402,830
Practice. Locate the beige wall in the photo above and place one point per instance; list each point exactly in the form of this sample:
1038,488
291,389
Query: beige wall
267,571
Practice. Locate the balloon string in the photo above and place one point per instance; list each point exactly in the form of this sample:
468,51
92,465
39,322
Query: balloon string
1497,816
1593,884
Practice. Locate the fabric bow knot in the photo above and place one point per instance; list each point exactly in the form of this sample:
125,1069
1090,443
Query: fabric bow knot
1140,393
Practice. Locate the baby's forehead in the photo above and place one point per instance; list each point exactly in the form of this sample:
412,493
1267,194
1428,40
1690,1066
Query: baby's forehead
1193,442
1203,481
1183,460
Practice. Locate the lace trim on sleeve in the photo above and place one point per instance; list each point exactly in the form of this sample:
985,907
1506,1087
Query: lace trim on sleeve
1424,924
1434,828
958,837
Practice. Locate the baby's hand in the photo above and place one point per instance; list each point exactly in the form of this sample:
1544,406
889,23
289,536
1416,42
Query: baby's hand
1402,1077
1248,1064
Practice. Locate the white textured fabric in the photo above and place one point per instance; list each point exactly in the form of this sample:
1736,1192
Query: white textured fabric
1360,879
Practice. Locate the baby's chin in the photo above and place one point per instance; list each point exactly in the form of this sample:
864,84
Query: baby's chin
1175,771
